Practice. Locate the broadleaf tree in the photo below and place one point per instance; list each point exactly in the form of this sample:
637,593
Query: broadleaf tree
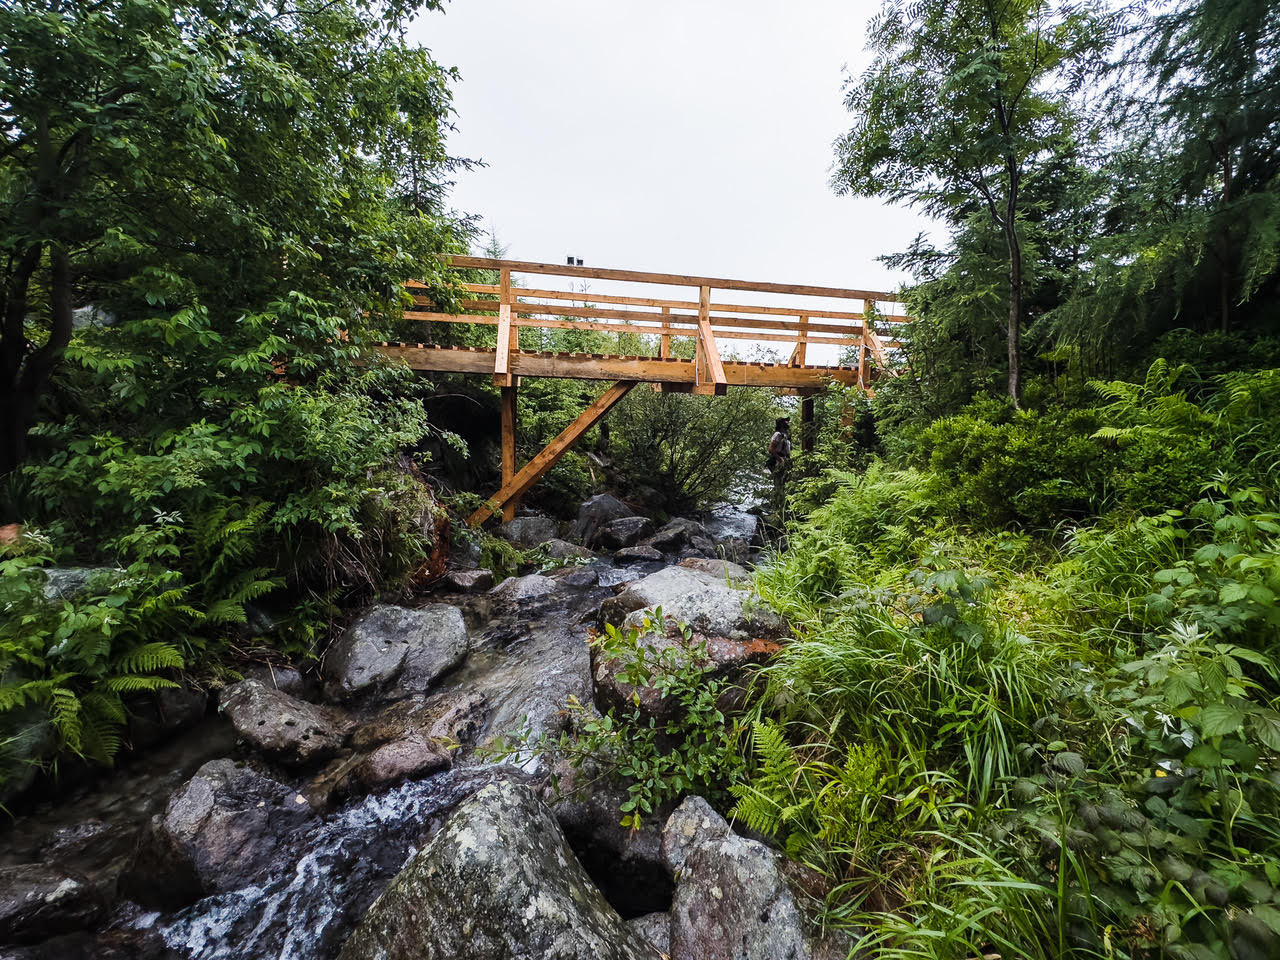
157,155
962,105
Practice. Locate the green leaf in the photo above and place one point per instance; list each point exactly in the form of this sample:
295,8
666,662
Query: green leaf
1218,719
1203,756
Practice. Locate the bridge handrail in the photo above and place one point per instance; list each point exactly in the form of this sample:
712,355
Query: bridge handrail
510,308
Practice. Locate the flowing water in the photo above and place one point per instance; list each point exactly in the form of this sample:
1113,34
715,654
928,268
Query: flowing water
527,659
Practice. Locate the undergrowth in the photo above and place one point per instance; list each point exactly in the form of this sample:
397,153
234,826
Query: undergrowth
1052,740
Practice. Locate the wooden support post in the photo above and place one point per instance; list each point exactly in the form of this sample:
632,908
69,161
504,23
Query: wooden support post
864,369
665,349
798,354
509,399
806,424
534,470
708,371
508,333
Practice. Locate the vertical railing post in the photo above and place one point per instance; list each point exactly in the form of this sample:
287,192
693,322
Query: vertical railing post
801,343
504,355
510,398
664,348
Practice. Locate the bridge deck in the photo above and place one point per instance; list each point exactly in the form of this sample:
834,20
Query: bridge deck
596,366
651,328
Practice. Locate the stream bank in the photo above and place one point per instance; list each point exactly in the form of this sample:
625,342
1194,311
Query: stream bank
272,827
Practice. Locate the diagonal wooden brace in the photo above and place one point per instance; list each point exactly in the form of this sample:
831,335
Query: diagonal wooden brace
534,470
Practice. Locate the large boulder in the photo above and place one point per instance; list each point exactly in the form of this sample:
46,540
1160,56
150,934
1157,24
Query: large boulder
469,581
498,882
67,583
595,513
705,602
226,827
38,901
283,728
406,740
532,586
683,536
627,864
624,532
564,550
394,649
735,898
530,531
639,554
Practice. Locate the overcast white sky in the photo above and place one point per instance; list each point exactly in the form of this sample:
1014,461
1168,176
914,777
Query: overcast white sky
689,136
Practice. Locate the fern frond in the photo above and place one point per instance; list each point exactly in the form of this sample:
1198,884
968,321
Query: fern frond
148,658
64,712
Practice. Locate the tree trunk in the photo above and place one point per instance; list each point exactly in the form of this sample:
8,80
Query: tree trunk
27,372
1015,321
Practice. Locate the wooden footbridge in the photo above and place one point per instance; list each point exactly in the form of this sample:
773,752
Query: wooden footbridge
672,343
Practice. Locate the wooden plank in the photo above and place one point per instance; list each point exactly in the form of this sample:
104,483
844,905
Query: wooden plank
571,295
712,368
664,346
502,356
533,471
652,317
584,367
509,402
668,279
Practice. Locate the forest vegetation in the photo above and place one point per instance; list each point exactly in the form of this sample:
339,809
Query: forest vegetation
1033,704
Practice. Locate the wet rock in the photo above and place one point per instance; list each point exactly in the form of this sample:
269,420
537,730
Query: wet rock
285,729
469,581
283,678
533,586
452,718
679,534
226,827
595,513
422,735
411,757
638,554
530,531
498,882
692,824
579,578
703,601
655,928
734,899
720,658
161,714
564,550
625,532
627,865
94,848
396,649
38,901
724,571
67,583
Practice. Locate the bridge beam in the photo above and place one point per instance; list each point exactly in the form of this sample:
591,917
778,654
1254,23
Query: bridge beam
535,469
509,399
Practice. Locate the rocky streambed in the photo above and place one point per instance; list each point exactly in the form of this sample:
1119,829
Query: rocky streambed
360,813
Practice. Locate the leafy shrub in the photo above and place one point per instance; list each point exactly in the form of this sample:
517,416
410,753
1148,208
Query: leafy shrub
70,661
1031,468
695,751
690,450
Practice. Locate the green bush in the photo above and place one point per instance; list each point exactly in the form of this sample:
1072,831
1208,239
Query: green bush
1027,468
690,450
67,663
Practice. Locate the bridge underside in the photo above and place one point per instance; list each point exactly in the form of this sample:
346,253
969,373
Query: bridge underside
669,372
